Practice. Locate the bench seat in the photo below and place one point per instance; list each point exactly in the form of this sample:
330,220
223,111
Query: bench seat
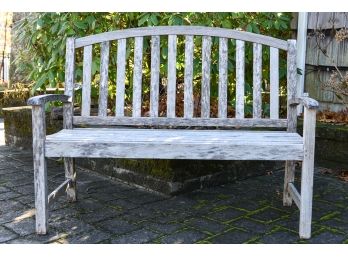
175,144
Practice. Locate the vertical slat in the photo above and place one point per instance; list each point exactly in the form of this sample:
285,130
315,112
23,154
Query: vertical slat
86,88
223,56
274,83
120,80
103,87
40,169
137,76
155,66
240,77
291,85
69,82
188,86
171,88
291,116
205,90
69,163
307,172
257,78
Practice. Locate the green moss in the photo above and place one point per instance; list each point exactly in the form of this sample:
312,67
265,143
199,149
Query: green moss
157,168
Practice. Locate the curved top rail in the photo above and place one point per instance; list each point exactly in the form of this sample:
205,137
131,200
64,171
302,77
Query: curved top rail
181,30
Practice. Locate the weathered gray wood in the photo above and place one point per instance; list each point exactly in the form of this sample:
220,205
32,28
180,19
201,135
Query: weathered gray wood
171,87
43,99
70,173
274,83
188,86
205,89
103,87
240,71
86,88
40,170
307,172
137,76
69,82
182,30
120,80
291,85
223,58
60,190
295,195
69,166
307,102
257,80
155,67
289,175
162,121
175,144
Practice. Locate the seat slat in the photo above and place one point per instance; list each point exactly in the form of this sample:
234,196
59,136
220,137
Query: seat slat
274,83
240,70
178,144
257,79
86,87
120,80
171,87
103,88
205,90
163,121
188,86
137,76
155,66
223,57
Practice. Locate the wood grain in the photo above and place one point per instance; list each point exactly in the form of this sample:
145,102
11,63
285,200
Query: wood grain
155,68
171,87
188,78
137,76
86,81
223,58
205,89
104,75
120,77
240,76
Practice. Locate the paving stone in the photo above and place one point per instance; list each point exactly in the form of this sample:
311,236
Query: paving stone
9,195
280,237
10,205
251,226
232,237
327,237
22,227
164,228
117,226
136,237
205,225
183,237
72,226
268,215
226,214
6,235
121,204
92,237
99,215
4,189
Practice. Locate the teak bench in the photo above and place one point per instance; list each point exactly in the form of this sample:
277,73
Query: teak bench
113,141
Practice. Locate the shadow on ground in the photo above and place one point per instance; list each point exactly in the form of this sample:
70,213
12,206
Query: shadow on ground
108,211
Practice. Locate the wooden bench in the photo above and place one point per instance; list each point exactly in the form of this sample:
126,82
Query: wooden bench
115,140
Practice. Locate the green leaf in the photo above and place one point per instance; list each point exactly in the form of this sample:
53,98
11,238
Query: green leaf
38,85
80,24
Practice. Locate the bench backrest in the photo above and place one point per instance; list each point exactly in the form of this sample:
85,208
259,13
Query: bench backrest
223,35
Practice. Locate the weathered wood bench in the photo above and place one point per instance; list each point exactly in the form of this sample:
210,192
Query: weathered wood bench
132,142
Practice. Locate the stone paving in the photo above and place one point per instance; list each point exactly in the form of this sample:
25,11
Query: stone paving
108,211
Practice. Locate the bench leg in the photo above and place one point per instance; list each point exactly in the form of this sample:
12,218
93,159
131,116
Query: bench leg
307,173
70,173
289,177
40,169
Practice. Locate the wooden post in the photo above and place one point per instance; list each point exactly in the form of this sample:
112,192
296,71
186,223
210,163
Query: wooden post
307,173
69,163
40,170
289,175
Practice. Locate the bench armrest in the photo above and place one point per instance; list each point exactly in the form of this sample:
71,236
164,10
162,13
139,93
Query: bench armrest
42,99
307,102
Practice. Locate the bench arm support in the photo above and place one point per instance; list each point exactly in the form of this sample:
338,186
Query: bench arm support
42,99
307,102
